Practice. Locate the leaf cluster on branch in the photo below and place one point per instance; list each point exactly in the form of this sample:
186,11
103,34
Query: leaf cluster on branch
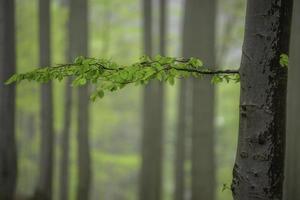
107,75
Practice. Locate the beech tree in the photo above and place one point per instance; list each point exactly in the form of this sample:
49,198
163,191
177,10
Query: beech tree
8,152
79,45
258,170
200,42
65,140
152,129
44,186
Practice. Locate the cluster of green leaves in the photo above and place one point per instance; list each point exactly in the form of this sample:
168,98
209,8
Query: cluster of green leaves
107,75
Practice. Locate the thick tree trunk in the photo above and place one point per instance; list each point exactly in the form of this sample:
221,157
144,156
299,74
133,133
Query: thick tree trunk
258,170
151,169
44,187
8,153
79,46
200,42
292,181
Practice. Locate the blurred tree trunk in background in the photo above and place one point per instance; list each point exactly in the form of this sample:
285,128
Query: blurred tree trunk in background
292,181
44,188
152,138
65,140
180,145
259,167
199,41
65,144
8,153
79,46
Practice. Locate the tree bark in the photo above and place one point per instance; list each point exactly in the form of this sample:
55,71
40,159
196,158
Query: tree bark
200,42
44,187
152,139
8,153
292,182
259,166
79,46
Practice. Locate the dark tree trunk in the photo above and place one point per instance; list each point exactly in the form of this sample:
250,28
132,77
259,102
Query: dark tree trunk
44,187
292,181
200,42
8,153
152,139
259,167
79,46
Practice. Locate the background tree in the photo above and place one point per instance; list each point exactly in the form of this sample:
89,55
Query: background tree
44,188
292,180
152,138
200,42
258,170
79,46
65,140
8,152
181,140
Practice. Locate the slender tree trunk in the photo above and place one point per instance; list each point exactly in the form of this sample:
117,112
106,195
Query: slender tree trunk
65,143
8,153
180,147
200,42
259,167
292,182
79,46
152,139
44,187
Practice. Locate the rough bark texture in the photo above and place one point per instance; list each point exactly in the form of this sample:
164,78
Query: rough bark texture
79,46
199,41
44,187
151,169
180,147
292,180
258,170
8,154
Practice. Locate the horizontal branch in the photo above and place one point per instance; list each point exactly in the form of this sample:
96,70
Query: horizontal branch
211,72
110,76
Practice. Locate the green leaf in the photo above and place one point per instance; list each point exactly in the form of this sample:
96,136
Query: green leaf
78,60
216,79
284,60
171,80
100,94
195,62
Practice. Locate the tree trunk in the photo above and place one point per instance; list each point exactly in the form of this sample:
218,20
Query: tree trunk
8,153
200,42
65,144
180,147
258,170
292,182
44,187
79,46
151,169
